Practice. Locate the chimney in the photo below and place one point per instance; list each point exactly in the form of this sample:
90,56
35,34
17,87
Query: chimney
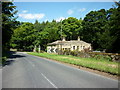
63,39
78,38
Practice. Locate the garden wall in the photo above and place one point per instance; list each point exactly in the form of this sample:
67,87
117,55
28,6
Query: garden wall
98,55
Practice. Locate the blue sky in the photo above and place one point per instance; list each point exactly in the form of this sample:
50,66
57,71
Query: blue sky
43,11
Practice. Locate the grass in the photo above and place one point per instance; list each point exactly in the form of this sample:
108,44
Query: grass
100,64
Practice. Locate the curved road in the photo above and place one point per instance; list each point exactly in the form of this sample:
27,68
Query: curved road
27,71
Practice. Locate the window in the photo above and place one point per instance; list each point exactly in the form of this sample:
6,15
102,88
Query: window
65,48
73,47
83,47
77,47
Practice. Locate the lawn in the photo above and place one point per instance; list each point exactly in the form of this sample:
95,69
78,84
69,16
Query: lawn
101,65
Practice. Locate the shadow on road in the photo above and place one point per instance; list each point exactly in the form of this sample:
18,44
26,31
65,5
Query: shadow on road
9,62
12,56
15,55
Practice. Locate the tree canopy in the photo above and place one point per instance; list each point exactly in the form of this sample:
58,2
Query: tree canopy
8,23
100,28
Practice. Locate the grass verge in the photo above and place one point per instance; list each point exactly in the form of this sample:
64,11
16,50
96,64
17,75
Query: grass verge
92,63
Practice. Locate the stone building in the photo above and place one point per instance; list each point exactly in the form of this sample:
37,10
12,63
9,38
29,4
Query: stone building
71,45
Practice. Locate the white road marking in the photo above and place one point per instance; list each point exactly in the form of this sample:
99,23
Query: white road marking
49,80
77,69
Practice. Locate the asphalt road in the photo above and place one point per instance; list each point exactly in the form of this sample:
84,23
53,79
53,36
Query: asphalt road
27,71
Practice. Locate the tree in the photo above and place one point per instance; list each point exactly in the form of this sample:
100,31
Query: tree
115,28
8,24
24,37
71,28
101,28
111,37
49,33
38,27
93,27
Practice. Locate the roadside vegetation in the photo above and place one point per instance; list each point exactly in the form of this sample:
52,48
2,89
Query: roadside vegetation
92,63
9,23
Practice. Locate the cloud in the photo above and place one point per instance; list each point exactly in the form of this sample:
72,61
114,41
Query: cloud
32,16
60,18
69,12
82,9
24,11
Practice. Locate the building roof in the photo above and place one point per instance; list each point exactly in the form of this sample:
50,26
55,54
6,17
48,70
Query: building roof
59,42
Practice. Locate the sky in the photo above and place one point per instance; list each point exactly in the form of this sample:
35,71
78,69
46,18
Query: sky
47,11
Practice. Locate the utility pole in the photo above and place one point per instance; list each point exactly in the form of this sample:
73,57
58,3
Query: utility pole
60,50
61,29
39,49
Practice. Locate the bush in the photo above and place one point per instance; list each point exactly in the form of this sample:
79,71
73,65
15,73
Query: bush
74,53
3,60
36,50
102,57
41,51
66,52
108,58
96,55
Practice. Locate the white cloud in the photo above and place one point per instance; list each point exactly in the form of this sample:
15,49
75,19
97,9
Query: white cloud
24,11
60,18
70,12
32,16
82,9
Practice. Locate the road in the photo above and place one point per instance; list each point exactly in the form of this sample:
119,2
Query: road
27,71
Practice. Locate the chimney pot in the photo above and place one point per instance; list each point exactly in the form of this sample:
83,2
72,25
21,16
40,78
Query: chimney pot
78,38
63,39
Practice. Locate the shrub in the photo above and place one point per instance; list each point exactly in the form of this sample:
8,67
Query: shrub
41,51
36,50
74,53
101,57
3,60
66,52
108,58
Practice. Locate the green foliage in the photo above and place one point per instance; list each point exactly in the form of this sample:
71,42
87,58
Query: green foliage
71,28
87,55
115,28
93,25
102,57
3,60
8,22
37,50
48,32
103,29
100,28
74,53
66,52
23,37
